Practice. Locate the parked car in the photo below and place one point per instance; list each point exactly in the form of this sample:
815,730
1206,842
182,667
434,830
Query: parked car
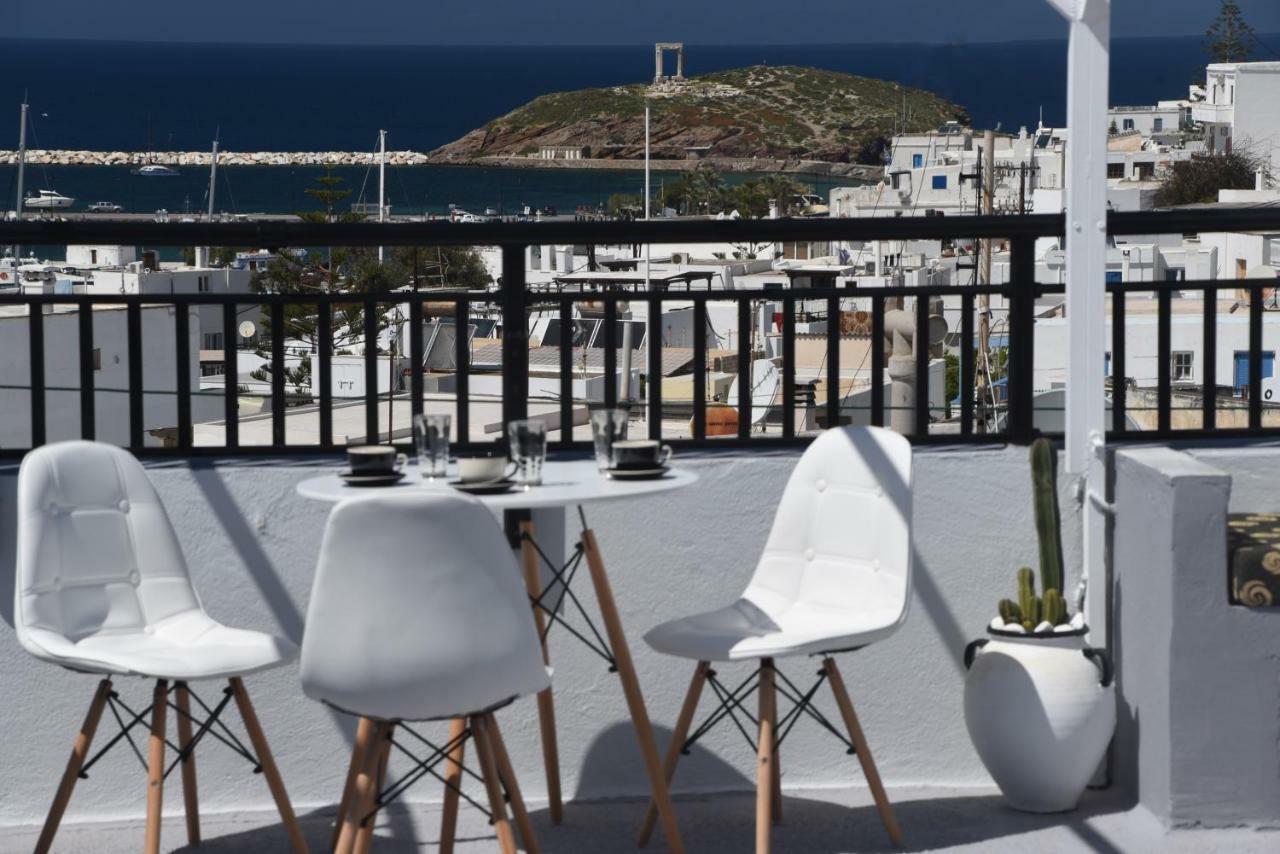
105,207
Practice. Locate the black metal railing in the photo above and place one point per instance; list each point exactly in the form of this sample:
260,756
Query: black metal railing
515,301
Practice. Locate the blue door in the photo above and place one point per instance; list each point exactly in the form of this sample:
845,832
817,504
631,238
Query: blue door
1240,372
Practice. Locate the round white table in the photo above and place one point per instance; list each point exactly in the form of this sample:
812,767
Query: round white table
564,483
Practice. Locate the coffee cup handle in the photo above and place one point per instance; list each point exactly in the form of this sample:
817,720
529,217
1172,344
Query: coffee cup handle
512,468
402,460
664,455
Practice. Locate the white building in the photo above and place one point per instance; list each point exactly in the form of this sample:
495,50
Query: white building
110,375
1241,108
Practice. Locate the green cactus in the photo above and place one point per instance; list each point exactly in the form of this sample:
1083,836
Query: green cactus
1026,591
1009,611
1055,610
1044,485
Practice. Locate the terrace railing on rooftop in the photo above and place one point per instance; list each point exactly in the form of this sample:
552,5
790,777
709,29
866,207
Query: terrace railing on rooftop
515,300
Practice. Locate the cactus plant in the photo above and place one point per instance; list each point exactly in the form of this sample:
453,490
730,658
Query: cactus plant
1010,612
1044,485
1054,609
1031,610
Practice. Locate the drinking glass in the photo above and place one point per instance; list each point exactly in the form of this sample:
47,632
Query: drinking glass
607,426
528,450
431,435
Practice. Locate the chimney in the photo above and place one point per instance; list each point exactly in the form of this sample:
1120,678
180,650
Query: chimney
774,213
1260,179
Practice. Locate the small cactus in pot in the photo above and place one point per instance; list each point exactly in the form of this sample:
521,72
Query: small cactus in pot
1047,611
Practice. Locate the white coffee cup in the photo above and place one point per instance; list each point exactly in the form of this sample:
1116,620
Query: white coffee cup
481,469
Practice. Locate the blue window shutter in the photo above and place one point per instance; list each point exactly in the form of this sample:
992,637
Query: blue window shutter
939,182
917,161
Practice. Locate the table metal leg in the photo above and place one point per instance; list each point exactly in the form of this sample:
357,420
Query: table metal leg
631,689
546,702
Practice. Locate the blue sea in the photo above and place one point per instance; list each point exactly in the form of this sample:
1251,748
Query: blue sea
135,96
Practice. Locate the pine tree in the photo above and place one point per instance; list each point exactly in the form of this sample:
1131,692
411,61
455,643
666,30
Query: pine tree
1230,38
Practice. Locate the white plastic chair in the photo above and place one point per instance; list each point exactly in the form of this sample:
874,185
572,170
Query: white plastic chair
835,576
102,587
419,613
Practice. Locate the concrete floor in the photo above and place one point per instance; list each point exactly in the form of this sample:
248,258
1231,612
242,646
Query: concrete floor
815,822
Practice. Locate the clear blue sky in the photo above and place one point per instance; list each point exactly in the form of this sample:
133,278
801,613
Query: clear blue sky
533,22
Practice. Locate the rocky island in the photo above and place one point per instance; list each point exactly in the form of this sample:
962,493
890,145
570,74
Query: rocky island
760,118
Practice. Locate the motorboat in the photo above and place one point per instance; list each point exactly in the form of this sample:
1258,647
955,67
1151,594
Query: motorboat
155,170
48,200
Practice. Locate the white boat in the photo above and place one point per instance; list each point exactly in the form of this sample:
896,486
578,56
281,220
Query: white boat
155,170
48,200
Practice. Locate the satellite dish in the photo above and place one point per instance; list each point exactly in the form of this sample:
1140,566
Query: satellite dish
766,382
248,329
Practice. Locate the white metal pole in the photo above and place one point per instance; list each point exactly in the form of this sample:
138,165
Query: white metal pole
382,182
1088,74
653,322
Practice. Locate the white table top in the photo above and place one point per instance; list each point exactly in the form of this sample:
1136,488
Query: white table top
564,483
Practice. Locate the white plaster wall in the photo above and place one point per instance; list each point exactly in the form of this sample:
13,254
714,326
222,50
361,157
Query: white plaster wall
252,545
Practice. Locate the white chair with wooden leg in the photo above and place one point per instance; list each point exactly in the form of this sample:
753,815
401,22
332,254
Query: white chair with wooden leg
835,576
419,614
103,588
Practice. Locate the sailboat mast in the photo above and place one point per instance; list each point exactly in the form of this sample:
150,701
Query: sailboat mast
213,178
382,182
22,167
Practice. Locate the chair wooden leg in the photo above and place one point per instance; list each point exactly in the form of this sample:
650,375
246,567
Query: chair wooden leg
775,805
190,795
269,770
764,757
363,792
364,839
681,732
489,770
546,701
155,767
864,752
79,752
509,782
364,736
453,781
631,690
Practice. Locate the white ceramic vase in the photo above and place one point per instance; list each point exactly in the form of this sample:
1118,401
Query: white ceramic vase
1040,712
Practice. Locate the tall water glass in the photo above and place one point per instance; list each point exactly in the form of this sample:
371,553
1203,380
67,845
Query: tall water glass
607,426
528,450
431,435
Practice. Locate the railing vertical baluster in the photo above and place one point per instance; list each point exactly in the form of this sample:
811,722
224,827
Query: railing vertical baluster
1022,328
654,388
515,335
1255,357
371,373
1209,363
611,351
324,351
416,389
833,362
35,343
789,366
1164,359
182,371
922,365
462,368
133,320
1119,388
700,369
745,365
277,375
566,370
877,361
230,376
88,416
967,359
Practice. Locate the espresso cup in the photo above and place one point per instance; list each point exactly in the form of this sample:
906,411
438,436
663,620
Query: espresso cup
640,454
375,459
482,469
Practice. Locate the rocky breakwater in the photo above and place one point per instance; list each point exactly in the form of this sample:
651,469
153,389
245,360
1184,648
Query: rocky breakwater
52,157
